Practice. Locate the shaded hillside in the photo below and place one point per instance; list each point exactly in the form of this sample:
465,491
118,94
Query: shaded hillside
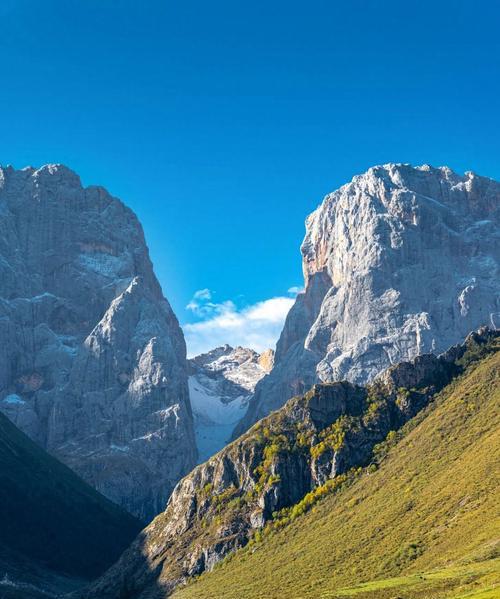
50,519
312,447
430,503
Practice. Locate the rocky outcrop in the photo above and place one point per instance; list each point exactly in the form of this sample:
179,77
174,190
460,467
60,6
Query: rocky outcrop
266,361
92,361
400,261
275,470
221,383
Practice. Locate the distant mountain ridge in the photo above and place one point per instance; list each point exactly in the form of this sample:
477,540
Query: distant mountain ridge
400,261
93,360
221,383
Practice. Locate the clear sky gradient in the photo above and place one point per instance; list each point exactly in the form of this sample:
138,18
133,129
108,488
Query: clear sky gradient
223,124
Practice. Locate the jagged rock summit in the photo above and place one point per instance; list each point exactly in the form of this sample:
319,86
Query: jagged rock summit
398,262
92,360
221,383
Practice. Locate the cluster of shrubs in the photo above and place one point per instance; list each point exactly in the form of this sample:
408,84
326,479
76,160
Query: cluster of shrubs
477,351
376,404
408,553
275,445
382,449
287,515
333,437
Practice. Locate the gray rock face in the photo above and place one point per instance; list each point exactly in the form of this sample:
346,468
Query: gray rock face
398,262
221,383
92,360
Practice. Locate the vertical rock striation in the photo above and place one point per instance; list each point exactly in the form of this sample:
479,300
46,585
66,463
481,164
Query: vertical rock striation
92,360
400,261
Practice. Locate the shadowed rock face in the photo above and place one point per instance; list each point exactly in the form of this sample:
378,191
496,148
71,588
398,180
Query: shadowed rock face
313,440
92,360
398,262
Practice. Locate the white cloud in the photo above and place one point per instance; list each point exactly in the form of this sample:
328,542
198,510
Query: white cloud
257,326
295,290
202,294
201,306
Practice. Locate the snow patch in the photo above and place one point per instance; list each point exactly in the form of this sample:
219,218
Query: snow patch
214,419
102,263
210,407
13,399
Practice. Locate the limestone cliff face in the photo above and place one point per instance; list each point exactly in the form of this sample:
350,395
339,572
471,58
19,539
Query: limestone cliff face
398,262
92,360
314,442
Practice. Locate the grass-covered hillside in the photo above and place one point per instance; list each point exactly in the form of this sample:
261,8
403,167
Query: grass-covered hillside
51,520
421,522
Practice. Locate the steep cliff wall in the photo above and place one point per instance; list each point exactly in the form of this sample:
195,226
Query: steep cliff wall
398,262
92,359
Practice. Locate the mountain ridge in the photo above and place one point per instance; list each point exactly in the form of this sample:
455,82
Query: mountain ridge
309,448
54,528
421,521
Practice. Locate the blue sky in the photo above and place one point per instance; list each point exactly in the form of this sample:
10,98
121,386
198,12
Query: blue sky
223,124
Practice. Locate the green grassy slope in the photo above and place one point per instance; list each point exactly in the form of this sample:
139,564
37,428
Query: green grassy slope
50,516
431,507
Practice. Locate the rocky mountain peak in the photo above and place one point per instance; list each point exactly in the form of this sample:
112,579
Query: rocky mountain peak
392,191
92,352
400,261
225,357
